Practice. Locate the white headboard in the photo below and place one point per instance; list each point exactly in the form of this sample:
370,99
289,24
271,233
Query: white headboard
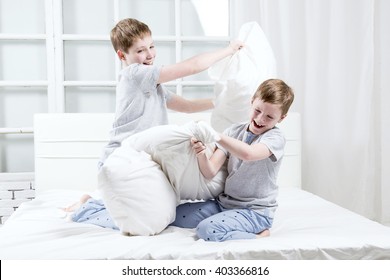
68,146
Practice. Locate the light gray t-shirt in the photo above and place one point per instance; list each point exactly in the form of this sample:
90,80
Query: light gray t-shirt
252,184
140,104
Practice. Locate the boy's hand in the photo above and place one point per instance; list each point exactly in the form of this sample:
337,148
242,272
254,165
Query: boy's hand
236,45
197,146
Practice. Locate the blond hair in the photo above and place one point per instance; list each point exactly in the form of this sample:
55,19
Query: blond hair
275,91
126,32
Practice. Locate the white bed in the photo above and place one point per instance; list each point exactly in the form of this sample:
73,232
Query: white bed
67,147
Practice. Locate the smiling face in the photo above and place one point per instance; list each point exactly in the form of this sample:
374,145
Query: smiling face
142,51
264,116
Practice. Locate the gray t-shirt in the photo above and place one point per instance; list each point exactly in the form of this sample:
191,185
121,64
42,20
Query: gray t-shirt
140,104
252,184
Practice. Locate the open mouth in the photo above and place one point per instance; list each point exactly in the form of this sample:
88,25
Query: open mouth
257,125
148,63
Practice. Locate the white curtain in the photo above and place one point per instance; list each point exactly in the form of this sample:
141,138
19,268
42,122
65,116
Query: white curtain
335,54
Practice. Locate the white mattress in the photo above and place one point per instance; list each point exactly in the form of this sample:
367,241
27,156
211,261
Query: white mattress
305,227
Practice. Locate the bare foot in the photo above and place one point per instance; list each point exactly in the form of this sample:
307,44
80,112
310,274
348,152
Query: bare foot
77,204
264,233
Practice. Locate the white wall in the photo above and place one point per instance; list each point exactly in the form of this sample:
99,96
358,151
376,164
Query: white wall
382,85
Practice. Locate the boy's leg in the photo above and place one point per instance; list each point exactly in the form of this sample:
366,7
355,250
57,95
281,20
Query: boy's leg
188,215
94,212
233,224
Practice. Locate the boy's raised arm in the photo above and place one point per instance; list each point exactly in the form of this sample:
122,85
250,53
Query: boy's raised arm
197,63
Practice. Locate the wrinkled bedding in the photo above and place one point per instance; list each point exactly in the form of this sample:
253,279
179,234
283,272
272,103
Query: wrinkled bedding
305,227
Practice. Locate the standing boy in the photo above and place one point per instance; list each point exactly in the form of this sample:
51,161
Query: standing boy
141,99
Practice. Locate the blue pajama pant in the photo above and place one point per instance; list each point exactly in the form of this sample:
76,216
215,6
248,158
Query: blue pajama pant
214,223
94,212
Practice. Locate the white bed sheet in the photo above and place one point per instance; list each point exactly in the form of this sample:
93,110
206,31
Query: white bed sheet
305,227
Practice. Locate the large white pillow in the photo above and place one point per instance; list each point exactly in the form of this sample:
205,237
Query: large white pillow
169,145
237,77
136,192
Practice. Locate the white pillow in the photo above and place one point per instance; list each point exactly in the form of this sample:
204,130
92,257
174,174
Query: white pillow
136,192
237,77
169,145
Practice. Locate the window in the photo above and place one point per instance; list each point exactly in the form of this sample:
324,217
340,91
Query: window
57,57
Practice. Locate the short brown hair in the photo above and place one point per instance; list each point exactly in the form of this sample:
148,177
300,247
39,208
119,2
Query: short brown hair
275,91
126,32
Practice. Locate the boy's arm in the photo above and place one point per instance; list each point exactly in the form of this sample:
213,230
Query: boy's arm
209,167
196,63
244,151
178,103
236,147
